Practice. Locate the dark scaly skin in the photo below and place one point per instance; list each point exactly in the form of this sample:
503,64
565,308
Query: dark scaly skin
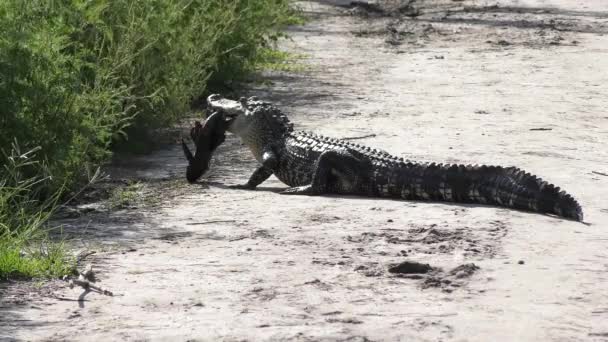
313,165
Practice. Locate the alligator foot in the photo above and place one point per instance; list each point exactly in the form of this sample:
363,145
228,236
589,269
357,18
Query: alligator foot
299,190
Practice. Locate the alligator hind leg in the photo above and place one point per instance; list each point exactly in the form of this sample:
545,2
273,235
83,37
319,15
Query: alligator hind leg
335,171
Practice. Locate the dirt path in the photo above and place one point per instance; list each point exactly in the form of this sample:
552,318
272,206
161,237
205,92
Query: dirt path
457,84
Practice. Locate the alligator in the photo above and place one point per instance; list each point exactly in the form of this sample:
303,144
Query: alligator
312,164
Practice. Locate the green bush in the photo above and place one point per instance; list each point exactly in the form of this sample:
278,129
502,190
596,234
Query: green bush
25,250
77,76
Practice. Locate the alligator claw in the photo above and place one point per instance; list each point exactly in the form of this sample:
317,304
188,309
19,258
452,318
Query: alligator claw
298,190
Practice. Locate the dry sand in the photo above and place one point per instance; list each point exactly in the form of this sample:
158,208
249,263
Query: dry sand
457,84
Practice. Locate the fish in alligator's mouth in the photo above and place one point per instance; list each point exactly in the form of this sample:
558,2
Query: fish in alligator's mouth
207,137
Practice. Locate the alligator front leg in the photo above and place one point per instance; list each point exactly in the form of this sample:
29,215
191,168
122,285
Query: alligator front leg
335,171
262,173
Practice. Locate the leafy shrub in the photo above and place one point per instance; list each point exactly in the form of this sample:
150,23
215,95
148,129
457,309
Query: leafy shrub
25,249
78,75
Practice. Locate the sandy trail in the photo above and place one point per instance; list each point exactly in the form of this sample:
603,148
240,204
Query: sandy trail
456,84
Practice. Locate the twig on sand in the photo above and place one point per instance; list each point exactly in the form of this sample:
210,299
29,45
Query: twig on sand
64,299
87,285
86,281
541,129
361,137
238,238
600,173
83,255
209,222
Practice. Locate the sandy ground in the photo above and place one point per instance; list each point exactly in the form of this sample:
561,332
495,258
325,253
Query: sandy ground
457,84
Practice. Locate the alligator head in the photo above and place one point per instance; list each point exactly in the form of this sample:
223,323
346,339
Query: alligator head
251,119
207,137
255,122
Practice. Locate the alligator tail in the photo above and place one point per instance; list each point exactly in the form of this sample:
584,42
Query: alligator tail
544,197
494,185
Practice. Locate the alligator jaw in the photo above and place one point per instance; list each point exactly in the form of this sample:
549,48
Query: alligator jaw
230,108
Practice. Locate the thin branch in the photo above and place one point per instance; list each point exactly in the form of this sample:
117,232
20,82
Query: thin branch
361,137
87,285
209,222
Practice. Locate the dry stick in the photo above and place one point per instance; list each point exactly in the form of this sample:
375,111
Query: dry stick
541,129
87,285
85,280
81,256
209,222
88,273
361,137
600,173
69,299
238,238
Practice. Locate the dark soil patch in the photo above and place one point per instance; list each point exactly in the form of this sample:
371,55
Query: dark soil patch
410,267
450,281
464,271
